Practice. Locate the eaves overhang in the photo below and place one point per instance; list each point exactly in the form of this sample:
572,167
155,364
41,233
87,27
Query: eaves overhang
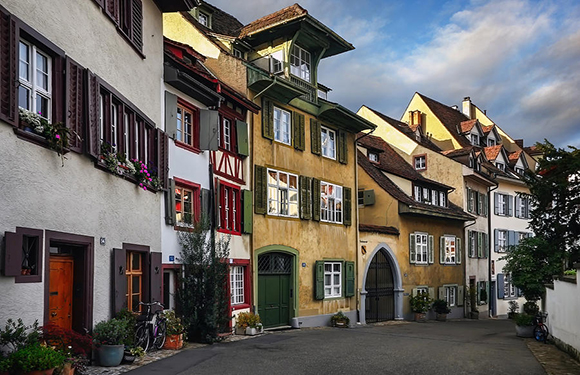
511,180
471,175
264,83
343,117
407,209
190,86
167,6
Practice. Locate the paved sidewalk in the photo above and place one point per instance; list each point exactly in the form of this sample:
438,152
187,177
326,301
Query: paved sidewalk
554,361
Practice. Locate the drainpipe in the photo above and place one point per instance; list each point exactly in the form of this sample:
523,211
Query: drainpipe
465,265
489,213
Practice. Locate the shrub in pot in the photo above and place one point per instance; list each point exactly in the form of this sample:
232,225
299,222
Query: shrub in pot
109,338
441,308
339,320
420,304
513,307
174,331
36,357
531,308
524,325
248,323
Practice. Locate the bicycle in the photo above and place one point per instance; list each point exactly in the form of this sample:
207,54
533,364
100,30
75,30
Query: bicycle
541,331
151,330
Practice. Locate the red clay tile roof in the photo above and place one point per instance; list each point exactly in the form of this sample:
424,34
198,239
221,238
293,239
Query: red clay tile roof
487,129
466,126
221,22
513,157
378,229
532,150
283,15
492,152
459,152
451,118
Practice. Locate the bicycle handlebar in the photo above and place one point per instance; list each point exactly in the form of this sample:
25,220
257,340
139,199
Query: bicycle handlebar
152,304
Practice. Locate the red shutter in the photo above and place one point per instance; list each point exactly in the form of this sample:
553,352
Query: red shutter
119,279
74,103
12,254
156,278
92,115
137,24
162,157
112,9
8,66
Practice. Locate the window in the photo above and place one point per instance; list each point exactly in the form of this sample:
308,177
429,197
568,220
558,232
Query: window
503,204
300,63
449,249
421,248
475,139
134,272
426,195
510,290
237,285
187,204
277,62
520,171
187,125
238,53
442,199
435,197
490,142
226,134
373,157
502,240
35,80
420,162
500,166
282,193
451,295
332,279
203,18
477,244
328,138
522,207
282,126
230,208
127,15
330,203
417,193
471,200
472,244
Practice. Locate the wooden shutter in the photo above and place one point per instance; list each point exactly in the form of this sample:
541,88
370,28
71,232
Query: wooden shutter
430,249
342,147
442,250
512,238
369,197
242,138
431,291
267,119
9,57
319,280
137,24
517,204
478,293
119,279
155,277
247,211
469,202
485,205
298,131
162,157
485,238
315,137
112,9
412,249
12,254
92,131
496,203
260,190
460,295
209,127
495,240
442,292
500,286
347,204
510,205
205,204
458,250
479,245
74,103
170,216
315,199
349,279
171,114
305,197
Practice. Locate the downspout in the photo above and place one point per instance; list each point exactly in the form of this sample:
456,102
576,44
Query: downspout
465,265
489,213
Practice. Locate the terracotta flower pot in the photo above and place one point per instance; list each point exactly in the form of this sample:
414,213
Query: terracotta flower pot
40,372
441,317
420,317
68,369
173,342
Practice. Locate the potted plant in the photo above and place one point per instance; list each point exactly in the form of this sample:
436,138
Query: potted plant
339,320
420,305
248,323
36,359
524,325
513,307
73,345
109,337
441,309
175,330
131,354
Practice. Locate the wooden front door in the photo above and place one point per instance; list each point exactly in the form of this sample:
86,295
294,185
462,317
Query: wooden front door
60,300
274,289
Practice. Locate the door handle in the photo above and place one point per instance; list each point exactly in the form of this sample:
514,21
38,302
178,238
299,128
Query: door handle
53,314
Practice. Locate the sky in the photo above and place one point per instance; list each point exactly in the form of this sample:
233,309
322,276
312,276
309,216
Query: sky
517,59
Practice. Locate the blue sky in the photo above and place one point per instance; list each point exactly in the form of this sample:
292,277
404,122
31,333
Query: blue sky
517,59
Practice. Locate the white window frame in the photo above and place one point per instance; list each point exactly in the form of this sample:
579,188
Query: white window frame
490,142
331,288
418,193
520,171
472,244
237,285
420,162
502,240
281,128
300,63
435,197
280,197
450,249
203,18
277,62
509,289
426,195
502,204
238,53
451,295
331,203
114,125
474,139
500,166
442,199
328,141
31,84
126,135
374,157
227,130
421,248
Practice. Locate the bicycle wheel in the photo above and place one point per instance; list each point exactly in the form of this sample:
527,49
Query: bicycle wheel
142,337
160,332
541,333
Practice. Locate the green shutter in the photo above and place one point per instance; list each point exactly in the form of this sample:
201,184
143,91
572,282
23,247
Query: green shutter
430,249
242,138
479,245
267,119
247,211
442,250
458,250
460,295
298,131
349,279
485,238
478,292
315,137
305,205
319,280
412,249
315,199
469,202
260,190
347,197
469,246
342,147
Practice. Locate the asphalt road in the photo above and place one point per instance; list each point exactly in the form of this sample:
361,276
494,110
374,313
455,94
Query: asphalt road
434,348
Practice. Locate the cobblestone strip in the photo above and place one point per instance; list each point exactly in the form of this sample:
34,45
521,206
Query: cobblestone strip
554,361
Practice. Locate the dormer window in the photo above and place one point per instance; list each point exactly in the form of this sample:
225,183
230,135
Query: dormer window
373,157
300,63
490,142
420,162
470,162
500,166
475,139
203,18
519,171
238,53
477,166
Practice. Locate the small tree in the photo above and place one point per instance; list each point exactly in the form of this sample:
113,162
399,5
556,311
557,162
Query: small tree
202,287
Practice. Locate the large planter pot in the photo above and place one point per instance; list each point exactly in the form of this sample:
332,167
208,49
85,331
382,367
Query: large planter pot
441,317
39,372
254,331
111,355
524,331
420,317
128,358
173,342
240,331
67,369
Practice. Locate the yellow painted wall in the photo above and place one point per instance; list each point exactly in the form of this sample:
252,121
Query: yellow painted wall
313,240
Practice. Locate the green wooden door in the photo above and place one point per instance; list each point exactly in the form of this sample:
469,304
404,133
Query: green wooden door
274,289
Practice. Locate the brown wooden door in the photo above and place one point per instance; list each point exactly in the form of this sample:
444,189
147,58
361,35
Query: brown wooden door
61,291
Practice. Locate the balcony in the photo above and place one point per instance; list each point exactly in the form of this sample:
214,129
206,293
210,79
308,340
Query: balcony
312,95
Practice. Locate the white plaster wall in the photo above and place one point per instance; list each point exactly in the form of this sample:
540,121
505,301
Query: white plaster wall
562,305
36,192
88,36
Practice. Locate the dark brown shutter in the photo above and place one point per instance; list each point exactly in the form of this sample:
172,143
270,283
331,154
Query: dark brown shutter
315,145
303,196
100,3
170,215
162,157
74,103
92,115
155,277
119,279
260,190
298,131
347,197
267,119
59,89
12,254
137,24
315,199
8,69
112,9
342,147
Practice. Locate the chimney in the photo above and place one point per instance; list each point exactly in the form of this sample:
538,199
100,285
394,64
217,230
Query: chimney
467,107
519,142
